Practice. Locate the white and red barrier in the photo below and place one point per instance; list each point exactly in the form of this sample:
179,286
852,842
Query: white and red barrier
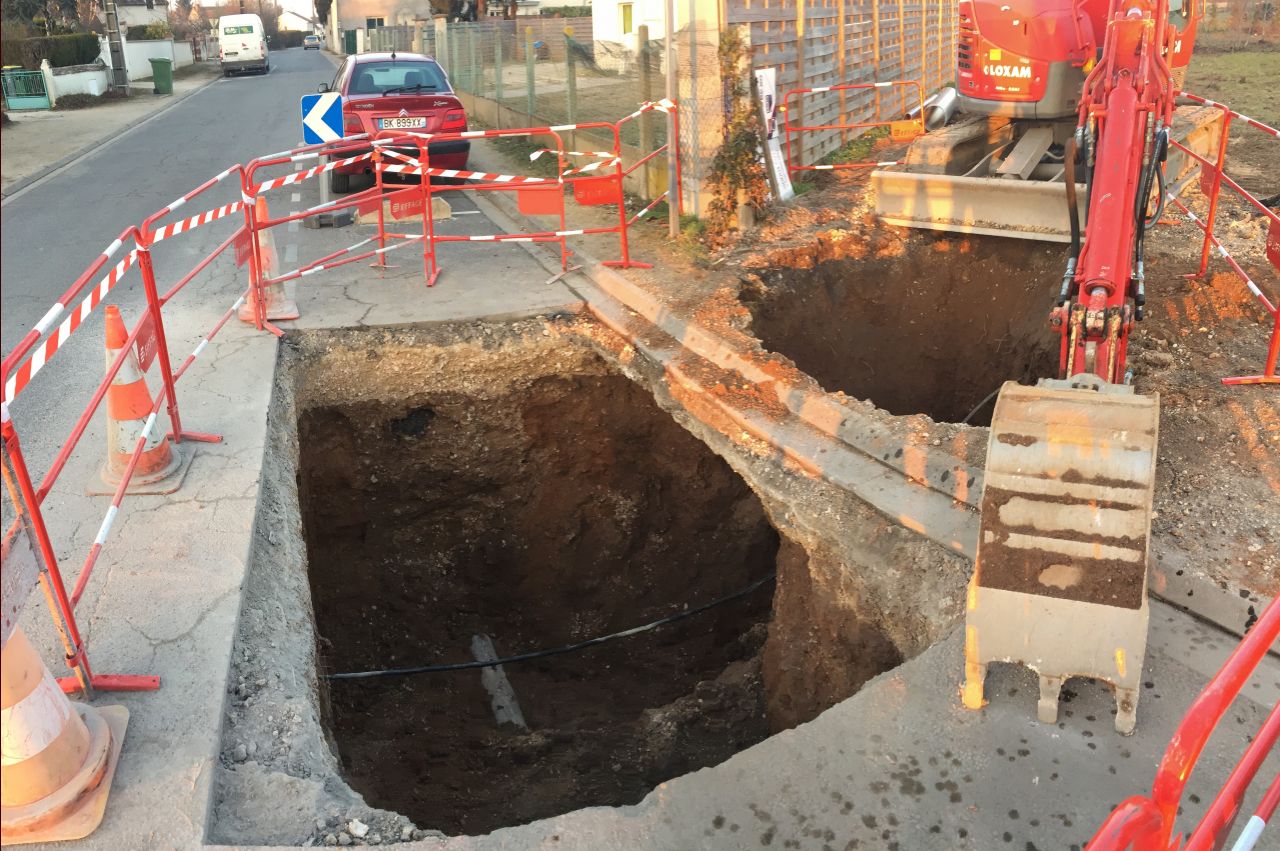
1213,177
146,342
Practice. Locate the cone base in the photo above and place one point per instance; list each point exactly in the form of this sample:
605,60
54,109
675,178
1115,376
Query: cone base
162,481
76,810
279,310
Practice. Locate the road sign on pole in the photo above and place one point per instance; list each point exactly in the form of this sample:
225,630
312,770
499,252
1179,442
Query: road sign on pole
321,118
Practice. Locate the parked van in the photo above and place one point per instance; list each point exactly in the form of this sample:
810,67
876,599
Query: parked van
242,44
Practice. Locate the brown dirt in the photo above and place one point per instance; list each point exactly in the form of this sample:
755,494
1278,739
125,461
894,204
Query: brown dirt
562,510
932,330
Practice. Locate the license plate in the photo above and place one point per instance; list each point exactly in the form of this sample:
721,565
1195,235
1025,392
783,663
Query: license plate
401,123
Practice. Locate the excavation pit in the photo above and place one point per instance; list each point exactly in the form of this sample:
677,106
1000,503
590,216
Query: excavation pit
917,325
540,499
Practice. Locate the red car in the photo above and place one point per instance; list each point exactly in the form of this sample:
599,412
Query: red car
398,91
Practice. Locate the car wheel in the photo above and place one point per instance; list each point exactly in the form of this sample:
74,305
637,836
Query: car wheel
339,183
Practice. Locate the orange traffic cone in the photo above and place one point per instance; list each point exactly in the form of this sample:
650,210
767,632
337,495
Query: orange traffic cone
162,465
59,757
278,304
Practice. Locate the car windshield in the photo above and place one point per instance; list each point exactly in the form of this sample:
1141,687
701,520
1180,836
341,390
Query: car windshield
373,78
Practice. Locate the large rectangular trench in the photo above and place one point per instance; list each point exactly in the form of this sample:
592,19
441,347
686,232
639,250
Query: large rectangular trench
426,488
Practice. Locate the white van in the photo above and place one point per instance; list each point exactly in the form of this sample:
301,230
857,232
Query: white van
242,44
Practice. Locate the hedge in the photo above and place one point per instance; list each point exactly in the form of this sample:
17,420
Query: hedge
287,38
60,50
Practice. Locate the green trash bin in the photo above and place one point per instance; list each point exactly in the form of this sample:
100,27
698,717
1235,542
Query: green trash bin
162,76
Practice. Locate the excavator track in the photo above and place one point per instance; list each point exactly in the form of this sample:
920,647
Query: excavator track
1061,577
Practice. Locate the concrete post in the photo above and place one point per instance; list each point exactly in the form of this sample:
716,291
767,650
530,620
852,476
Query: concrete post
442,41
475,76
530,96
50,85
498,71
417,37
570,76
646,95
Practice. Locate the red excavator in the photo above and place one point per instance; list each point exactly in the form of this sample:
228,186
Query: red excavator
1060,578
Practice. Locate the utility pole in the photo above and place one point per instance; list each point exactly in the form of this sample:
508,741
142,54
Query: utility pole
673,143
115,45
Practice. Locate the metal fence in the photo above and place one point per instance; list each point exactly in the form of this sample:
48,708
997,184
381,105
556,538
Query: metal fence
532,72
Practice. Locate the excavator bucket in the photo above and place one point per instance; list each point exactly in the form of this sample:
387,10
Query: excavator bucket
950,180
1060,582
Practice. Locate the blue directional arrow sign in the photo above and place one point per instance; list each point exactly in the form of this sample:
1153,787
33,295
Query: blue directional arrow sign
321,118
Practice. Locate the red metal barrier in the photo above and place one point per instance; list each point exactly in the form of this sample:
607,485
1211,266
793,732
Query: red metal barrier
22,364
1212,178
593,183
907,128
1147,823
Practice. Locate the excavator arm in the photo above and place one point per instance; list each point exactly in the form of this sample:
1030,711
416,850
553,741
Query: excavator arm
1060,579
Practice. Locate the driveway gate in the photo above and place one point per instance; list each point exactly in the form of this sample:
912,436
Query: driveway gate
24,90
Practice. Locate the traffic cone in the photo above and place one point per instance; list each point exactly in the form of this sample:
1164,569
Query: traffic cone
279,305
59,757
162,465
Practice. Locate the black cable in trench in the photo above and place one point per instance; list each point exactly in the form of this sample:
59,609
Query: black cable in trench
555,651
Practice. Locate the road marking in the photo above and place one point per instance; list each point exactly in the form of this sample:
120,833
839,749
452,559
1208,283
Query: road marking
291,254
296,197
293,226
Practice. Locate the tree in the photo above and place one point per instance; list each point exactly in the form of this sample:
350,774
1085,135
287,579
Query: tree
322,10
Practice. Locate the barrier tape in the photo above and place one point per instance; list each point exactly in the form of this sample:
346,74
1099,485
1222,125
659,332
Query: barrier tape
665,105
640,215
1252,122
1239,270
592,167
40,355
537,154
844,165
175,228
298,176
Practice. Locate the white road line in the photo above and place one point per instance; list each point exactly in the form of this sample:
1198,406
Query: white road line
291,254
293,226
296,198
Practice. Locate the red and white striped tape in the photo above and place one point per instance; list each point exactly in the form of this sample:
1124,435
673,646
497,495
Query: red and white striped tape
175,228
663,105
592,167
44,351
534,156
482,176
860,165
299,176
1222,251
502,237
1252,122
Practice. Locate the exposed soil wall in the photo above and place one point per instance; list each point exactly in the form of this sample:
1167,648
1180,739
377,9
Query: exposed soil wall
542,510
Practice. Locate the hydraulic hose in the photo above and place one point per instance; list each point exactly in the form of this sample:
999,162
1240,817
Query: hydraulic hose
1153,173
1073,214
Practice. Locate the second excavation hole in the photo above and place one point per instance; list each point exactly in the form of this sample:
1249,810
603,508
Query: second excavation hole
923,325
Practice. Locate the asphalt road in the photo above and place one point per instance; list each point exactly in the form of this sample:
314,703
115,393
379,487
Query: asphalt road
53,230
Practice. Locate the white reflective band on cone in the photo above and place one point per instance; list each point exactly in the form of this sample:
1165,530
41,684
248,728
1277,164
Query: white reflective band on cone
31,724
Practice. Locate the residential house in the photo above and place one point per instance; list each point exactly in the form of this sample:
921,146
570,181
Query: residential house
138,13
615,27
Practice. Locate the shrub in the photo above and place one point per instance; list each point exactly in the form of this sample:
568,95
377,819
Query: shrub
83,101
60,50
157,30
287,38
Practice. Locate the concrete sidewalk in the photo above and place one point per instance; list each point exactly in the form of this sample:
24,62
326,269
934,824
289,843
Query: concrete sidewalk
38,143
